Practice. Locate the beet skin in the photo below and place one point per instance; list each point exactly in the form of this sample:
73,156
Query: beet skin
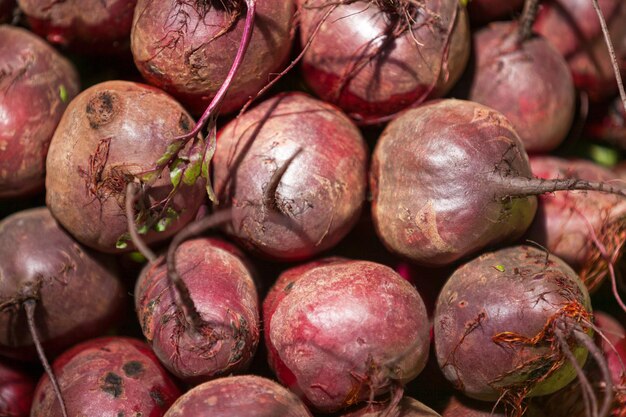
110,136
340,332
293,172
498,321
112,376
223,292
77,292
239,396
36,83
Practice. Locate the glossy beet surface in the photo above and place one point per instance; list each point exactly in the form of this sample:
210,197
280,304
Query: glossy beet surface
110,376
40,261
374,59
433,181
36,84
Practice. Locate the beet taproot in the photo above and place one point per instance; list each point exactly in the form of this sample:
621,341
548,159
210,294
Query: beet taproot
223,292
187,47
452,177
107,139
239,396
374,59
340,332
109,376
567,224
85,26
513,323
36,83
526,80
293,172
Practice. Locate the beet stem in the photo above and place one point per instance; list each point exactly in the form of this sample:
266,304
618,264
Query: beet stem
529,14
524,187
397,391
598,356
221,93
132,191
29,306
609,45
182,298
585,385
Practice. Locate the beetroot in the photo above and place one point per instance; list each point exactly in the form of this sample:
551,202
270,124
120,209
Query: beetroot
16,391
88,26
484,11
64,282
186,48
106,140
527,80
293,171
113,376
376,58
567,223
223,293
452,177
36,83
340,332
239,396
408,407
509,324
574,29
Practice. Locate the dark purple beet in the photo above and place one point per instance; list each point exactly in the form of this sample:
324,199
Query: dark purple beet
110,376
573,27
239,396
16,391
340,332
452,177
526,80
86,26
506,323
223,293
36,83
187,48
77,293
376,58
293,171
109,138
564,220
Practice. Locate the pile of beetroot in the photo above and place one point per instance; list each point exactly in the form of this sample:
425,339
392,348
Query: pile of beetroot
383,208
